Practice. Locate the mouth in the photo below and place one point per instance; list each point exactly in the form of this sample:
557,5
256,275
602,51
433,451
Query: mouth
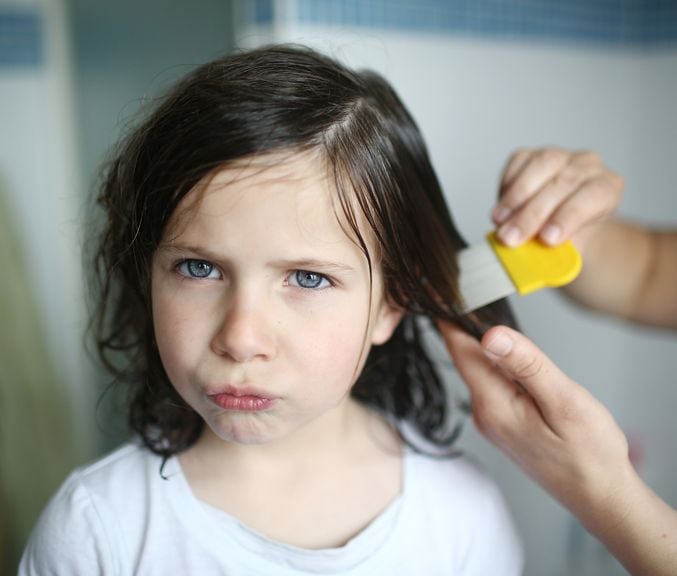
242,399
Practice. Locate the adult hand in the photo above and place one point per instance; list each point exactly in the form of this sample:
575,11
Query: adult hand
568,442
554,194
548,424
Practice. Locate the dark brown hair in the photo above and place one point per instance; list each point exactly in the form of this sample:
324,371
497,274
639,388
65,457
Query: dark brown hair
272,99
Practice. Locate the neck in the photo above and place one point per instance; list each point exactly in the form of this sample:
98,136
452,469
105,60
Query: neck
289,489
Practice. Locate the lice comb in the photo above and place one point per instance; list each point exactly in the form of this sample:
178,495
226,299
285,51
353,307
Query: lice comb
490,270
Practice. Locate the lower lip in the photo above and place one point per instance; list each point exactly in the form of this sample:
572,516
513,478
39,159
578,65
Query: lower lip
242,403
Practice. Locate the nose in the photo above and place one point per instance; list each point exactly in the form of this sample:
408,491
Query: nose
245,332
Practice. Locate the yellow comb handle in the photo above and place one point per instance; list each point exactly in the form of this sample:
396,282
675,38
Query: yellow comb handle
534,265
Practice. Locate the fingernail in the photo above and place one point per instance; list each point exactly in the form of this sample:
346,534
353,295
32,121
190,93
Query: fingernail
501,214
499,345
510,235
551,234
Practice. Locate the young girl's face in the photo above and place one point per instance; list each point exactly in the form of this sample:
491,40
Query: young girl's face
263,307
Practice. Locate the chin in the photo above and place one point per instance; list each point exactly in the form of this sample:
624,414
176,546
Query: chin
248,434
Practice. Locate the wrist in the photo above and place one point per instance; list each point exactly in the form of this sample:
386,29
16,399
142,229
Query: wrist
610,506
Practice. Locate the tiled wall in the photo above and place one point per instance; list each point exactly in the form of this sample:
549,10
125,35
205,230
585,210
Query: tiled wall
631,23
628,23
20,38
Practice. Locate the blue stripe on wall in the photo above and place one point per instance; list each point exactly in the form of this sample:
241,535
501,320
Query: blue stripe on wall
259,12
20,39
619,22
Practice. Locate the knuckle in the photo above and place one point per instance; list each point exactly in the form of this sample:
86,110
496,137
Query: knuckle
527,210
495,426
520,153
552,156
616,182
513,196
525,368
481,423
503,430
517,159
567,179
529,221
486,415
574,211
589,157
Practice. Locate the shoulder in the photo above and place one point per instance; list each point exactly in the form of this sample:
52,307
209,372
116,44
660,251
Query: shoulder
454,483
116,482
117,472
439,473
81,530
460,503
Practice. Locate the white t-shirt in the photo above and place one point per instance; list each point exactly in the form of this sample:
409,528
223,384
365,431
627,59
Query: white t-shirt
120,516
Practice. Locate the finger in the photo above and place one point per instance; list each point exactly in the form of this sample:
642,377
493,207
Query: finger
594,200
513,167
469,357
491,391
555,393
541,167
534,217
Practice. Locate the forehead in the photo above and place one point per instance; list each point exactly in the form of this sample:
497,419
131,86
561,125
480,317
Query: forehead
292,180
284,194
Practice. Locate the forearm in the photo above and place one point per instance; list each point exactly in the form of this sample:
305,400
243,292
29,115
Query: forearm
630,272
637,527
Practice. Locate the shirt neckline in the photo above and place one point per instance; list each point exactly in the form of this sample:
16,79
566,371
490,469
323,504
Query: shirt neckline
356,551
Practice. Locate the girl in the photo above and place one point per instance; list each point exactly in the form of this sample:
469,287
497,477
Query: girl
274,229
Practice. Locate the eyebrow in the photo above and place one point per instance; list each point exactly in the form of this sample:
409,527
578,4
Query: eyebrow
178,249
295,264
314,264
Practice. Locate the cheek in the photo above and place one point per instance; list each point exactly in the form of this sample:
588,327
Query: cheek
168,341
176,335
333,353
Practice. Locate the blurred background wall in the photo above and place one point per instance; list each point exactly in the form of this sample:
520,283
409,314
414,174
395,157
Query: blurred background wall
481,77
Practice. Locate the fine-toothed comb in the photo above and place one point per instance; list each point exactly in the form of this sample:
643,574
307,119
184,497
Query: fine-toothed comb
491,270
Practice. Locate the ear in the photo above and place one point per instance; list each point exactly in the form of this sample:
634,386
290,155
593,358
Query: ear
386,320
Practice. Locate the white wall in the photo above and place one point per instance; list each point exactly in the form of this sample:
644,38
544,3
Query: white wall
476,101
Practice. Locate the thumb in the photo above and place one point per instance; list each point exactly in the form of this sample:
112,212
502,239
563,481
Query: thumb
479,373
522,361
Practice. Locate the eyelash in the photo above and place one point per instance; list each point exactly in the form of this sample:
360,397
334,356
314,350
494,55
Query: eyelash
183,269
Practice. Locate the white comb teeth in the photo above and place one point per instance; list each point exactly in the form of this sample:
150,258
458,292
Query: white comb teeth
482,278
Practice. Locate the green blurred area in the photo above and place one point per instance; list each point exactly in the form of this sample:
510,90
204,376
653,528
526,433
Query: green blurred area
37,442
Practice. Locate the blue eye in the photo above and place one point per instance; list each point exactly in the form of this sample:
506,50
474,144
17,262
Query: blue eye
307,279
198,269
